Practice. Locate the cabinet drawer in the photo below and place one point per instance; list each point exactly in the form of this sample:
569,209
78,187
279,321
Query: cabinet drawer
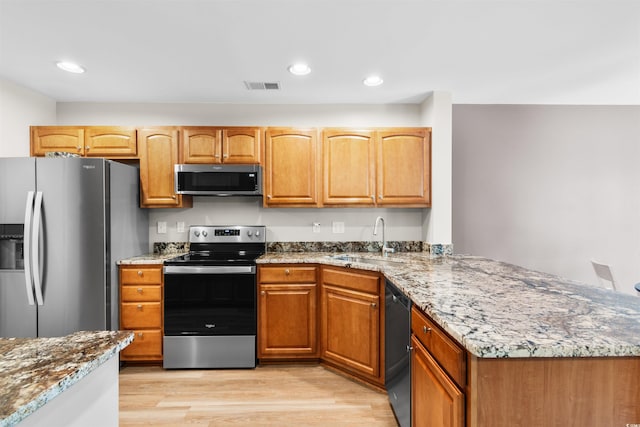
287,274
355,280
141,293
141,275
146,343
141,315
446,351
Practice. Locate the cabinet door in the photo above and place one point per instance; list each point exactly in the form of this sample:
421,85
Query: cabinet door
158,155
110,142
348,167
404,167
351,330
241,145
290,167
435,399
287,321
201,145
69,139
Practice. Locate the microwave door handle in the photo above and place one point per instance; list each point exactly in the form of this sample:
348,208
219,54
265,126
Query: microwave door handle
28,219
35,247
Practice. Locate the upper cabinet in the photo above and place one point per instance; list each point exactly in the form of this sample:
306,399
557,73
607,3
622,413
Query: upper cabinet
89,141
239,145
382,167
348,167
404,167
290,167
158,155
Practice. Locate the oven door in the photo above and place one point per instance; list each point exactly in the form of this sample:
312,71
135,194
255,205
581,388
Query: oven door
209,300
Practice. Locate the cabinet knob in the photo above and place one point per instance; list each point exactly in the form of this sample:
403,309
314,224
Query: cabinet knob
140,273
373,197
374,305
269,196
139,307
173,197
139,290
87,148
263,293
140,334
425,329
79,148
217,156
380,197
226,156
286,271
409,348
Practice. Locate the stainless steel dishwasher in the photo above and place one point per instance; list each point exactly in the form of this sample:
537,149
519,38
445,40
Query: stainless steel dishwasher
398,353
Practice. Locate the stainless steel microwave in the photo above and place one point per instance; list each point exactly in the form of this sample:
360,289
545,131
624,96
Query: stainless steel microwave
218,180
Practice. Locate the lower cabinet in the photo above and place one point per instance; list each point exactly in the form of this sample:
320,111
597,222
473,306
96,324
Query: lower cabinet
141,311
287,313
351,316
438,376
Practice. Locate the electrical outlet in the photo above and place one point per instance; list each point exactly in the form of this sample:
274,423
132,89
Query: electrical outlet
337,227
180,227
162,227
316,227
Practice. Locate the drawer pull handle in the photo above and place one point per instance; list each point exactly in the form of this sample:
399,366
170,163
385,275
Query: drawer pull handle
426,329
287,272
139,307
139,290
140,273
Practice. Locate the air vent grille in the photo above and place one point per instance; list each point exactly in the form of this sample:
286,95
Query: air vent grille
262,85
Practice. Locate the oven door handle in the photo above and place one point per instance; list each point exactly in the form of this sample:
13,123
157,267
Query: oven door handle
217,269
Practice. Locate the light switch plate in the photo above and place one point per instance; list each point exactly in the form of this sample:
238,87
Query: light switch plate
162,227
337,227
180,227
316,227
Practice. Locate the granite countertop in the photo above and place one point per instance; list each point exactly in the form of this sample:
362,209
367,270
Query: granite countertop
494,309
148,259
35,370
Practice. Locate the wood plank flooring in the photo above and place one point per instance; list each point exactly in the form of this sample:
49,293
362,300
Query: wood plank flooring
307,395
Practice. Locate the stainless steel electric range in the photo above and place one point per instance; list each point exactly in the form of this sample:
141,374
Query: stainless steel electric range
210,299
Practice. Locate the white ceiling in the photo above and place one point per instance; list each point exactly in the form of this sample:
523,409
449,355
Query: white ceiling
482,51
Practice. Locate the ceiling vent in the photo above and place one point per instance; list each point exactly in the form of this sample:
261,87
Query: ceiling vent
262,85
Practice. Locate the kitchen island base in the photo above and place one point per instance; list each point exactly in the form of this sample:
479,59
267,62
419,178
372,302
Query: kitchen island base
586,392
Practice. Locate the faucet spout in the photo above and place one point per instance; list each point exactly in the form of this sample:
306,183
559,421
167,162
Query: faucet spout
385,249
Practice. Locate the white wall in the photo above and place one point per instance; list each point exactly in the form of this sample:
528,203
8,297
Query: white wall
549,187
283,224
20,108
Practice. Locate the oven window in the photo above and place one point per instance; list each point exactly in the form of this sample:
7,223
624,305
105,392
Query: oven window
210,304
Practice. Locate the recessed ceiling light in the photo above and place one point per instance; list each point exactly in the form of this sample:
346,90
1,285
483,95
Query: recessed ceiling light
70,67
299,69
373,81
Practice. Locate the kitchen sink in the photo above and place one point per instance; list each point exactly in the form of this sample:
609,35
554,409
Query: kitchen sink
363,260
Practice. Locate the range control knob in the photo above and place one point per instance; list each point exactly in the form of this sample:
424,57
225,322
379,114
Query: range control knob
249,233
257,233
204,233
197,233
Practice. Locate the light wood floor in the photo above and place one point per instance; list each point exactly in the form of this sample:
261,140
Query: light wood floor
265,396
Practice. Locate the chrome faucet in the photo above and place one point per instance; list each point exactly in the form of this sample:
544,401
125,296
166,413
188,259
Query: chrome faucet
385,249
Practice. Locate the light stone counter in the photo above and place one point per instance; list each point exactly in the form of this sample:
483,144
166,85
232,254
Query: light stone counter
33,371
499,310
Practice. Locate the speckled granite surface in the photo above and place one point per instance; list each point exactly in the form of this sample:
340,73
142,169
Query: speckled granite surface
496,309
35,370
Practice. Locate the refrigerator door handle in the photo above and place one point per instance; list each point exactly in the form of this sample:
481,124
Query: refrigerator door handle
28,217
35,247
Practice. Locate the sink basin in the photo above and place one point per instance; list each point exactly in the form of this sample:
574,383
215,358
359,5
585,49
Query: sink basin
363,260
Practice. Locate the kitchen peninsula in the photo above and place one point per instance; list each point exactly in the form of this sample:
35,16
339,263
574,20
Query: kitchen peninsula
537,349
70,381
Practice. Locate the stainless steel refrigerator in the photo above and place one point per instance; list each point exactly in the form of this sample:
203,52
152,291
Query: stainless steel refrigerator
64,223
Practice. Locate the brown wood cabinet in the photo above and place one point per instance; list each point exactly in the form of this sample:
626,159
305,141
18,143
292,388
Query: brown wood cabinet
352,319
158,155
404,167
438,375
287,312
238,145
379,167
113,142
348,167
290,167
141,288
